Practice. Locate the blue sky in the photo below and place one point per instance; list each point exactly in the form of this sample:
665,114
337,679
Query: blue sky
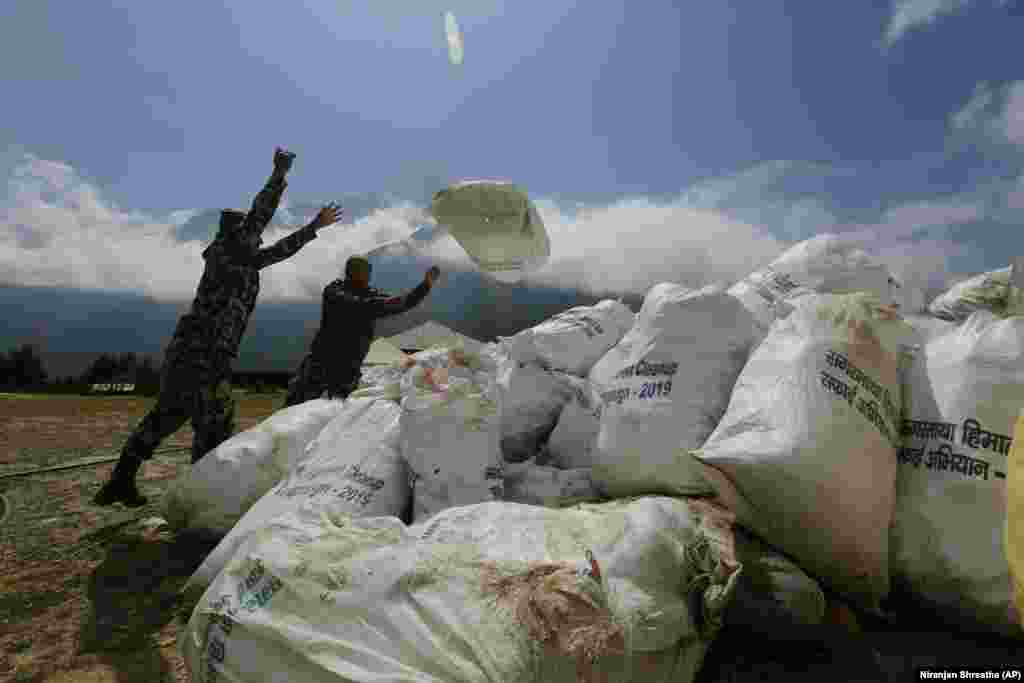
662,140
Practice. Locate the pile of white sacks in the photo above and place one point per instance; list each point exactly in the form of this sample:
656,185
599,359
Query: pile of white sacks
581,500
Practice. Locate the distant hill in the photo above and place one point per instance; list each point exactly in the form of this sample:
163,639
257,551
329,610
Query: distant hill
71,327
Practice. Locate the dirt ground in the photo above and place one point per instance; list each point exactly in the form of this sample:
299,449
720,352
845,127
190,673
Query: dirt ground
90,594
87,593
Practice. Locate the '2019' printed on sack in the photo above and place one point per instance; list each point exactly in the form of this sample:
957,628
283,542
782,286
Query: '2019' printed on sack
647,391
351,473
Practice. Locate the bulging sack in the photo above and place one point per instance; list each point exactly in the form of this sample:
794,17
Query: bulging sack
353,467
665,386
451,438
532,484
928,327
572,442
531,400
623,591
574,340
991,291
806,452
825,264
214,494
964,394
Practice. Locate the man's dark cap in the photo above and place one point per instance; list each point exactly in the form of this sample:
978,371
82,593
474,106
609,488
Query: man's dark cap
357,263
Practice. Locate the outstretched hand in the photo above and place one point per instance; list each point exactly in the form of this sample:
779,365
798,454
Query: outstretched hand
283,160
432,276
329,215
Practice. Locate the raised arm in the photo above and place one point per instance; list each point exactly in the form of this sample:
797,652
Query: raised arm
383,306
268,199
288,246
377,304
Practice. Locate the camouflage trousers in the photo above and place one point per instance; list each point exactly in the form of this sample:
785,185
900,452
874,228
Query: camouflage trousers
188,391
312,380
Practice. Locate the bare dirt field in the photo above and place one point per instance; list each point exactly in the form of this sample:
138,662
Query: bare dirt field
89,594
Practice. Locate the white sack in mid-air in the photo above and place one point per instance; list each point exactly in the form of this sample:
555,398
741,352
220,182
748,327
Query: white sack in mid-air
496,224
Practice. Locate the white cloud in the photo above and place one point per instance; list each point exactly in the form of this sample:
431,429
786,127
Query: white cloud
902,221
1012,119
920,263
911,14
634,244
57,230
977,110
996,112
179,218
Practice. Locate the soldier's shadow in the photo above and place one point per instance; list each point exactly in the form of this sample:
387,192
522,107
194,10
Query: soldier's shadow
134,594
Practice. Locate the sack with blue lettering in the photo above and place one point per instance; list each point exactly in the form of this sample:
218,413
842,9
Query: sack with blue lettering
806,452
354,466
965,391
665,386
573,340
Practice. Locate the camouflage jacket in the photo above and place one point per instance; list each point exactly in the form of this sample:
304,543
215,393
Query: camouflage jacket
212,330
347,326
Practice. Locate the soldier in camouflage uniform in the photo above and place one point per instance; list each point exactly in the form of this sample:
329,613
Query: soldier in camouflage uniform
350,308
194,381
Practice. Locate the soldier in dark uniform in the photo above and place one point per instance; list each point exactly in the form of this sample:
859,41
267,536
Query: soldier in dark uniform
194,379
350,308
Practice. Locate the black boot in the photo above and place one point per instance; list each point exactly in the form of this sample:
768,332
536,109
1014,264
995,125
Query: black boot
121,487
